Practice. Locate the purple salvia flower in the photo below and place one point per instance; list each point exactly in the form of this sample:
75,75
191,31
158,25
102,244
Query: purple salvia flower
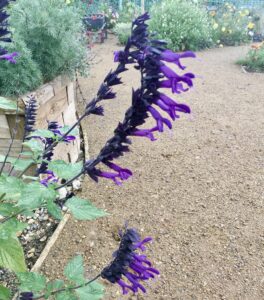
9,57
50,178
26,296
129,268
171,103
159,119
145,133
170,56
123,174
150,56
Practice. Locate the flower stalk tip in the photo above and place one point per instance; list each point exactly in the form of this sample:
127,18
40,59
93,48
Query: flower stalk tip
130,269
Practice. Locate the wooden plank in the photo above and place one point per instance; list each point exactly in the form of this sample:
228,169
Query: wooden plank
51,111
11,119
57,85
69,114
4,128
43,94
15,150
70,93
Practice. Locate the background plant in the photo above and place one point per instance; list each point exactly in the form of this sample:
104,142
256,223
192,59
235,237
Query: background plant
184,24
254,61
122,30
52,30
17,79
129,12
231,25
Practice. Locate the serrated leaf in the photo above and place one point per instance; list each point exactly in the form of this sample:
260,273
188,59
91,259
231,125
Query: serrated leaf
83,209
66,128
92,291
5,293
11,186
44,133
6,209
74,270
65,170
53,286
7,104
19,164
67,295
34,194
11,255
10,228
53,209
31,281
36,146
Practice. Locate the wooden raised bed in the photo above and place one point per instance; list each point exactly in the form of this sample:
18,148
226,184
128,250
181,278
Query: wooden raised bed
56,101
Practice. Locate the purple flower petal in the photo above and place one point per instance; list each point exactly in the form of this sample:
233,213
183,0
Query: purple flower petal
160,120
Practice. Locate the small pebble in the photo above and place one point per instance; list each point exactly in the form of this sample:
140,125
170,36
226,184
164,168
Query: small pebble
43,239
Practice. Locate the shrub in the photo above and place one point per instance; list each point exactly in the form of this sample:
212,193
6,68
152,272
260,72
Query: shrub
254,60
231,26
52,30
129,12
123,31
184,24
19,78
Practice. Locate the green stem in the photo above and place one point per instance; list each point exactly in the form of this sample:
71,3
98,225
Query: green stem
68,289
2,197
12,216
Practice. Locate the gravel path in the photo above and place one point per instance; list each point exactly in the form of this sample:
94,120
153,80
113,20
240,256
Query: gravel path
198,191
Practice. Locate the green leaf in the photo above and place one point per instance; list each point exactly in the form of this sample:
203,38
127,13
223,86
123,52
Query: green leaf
53,209
11,186
67,295
19,164
65,170
53,286
44,133
7,104
30,281
11,227
74,270
64,129
5,293
83,209
34,194
6,209
11,255
36,146
93,291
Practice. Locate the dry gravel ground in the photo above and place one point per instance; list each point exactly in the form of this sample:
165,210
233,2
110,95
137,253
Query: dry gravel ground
198,191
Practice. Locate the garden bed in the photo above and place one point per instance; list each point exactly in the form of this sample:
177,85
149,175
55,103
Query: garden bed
38,237
56,102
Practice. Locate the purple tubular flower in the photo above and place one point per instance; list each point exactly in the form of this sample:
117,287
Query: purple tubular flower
123,174
26,296
9,57
145,133
170,56
160,120
50,178
129,268
170,102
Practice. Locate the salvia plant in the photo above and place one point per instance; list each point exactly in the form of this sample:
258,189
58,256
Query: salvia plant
22,194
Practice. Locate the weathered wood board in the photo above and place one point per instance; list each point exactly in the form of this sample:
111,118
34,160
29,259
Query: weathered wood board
56,102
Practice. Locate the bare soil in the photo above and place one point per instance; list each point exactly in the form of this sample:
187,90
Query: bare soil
198,190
